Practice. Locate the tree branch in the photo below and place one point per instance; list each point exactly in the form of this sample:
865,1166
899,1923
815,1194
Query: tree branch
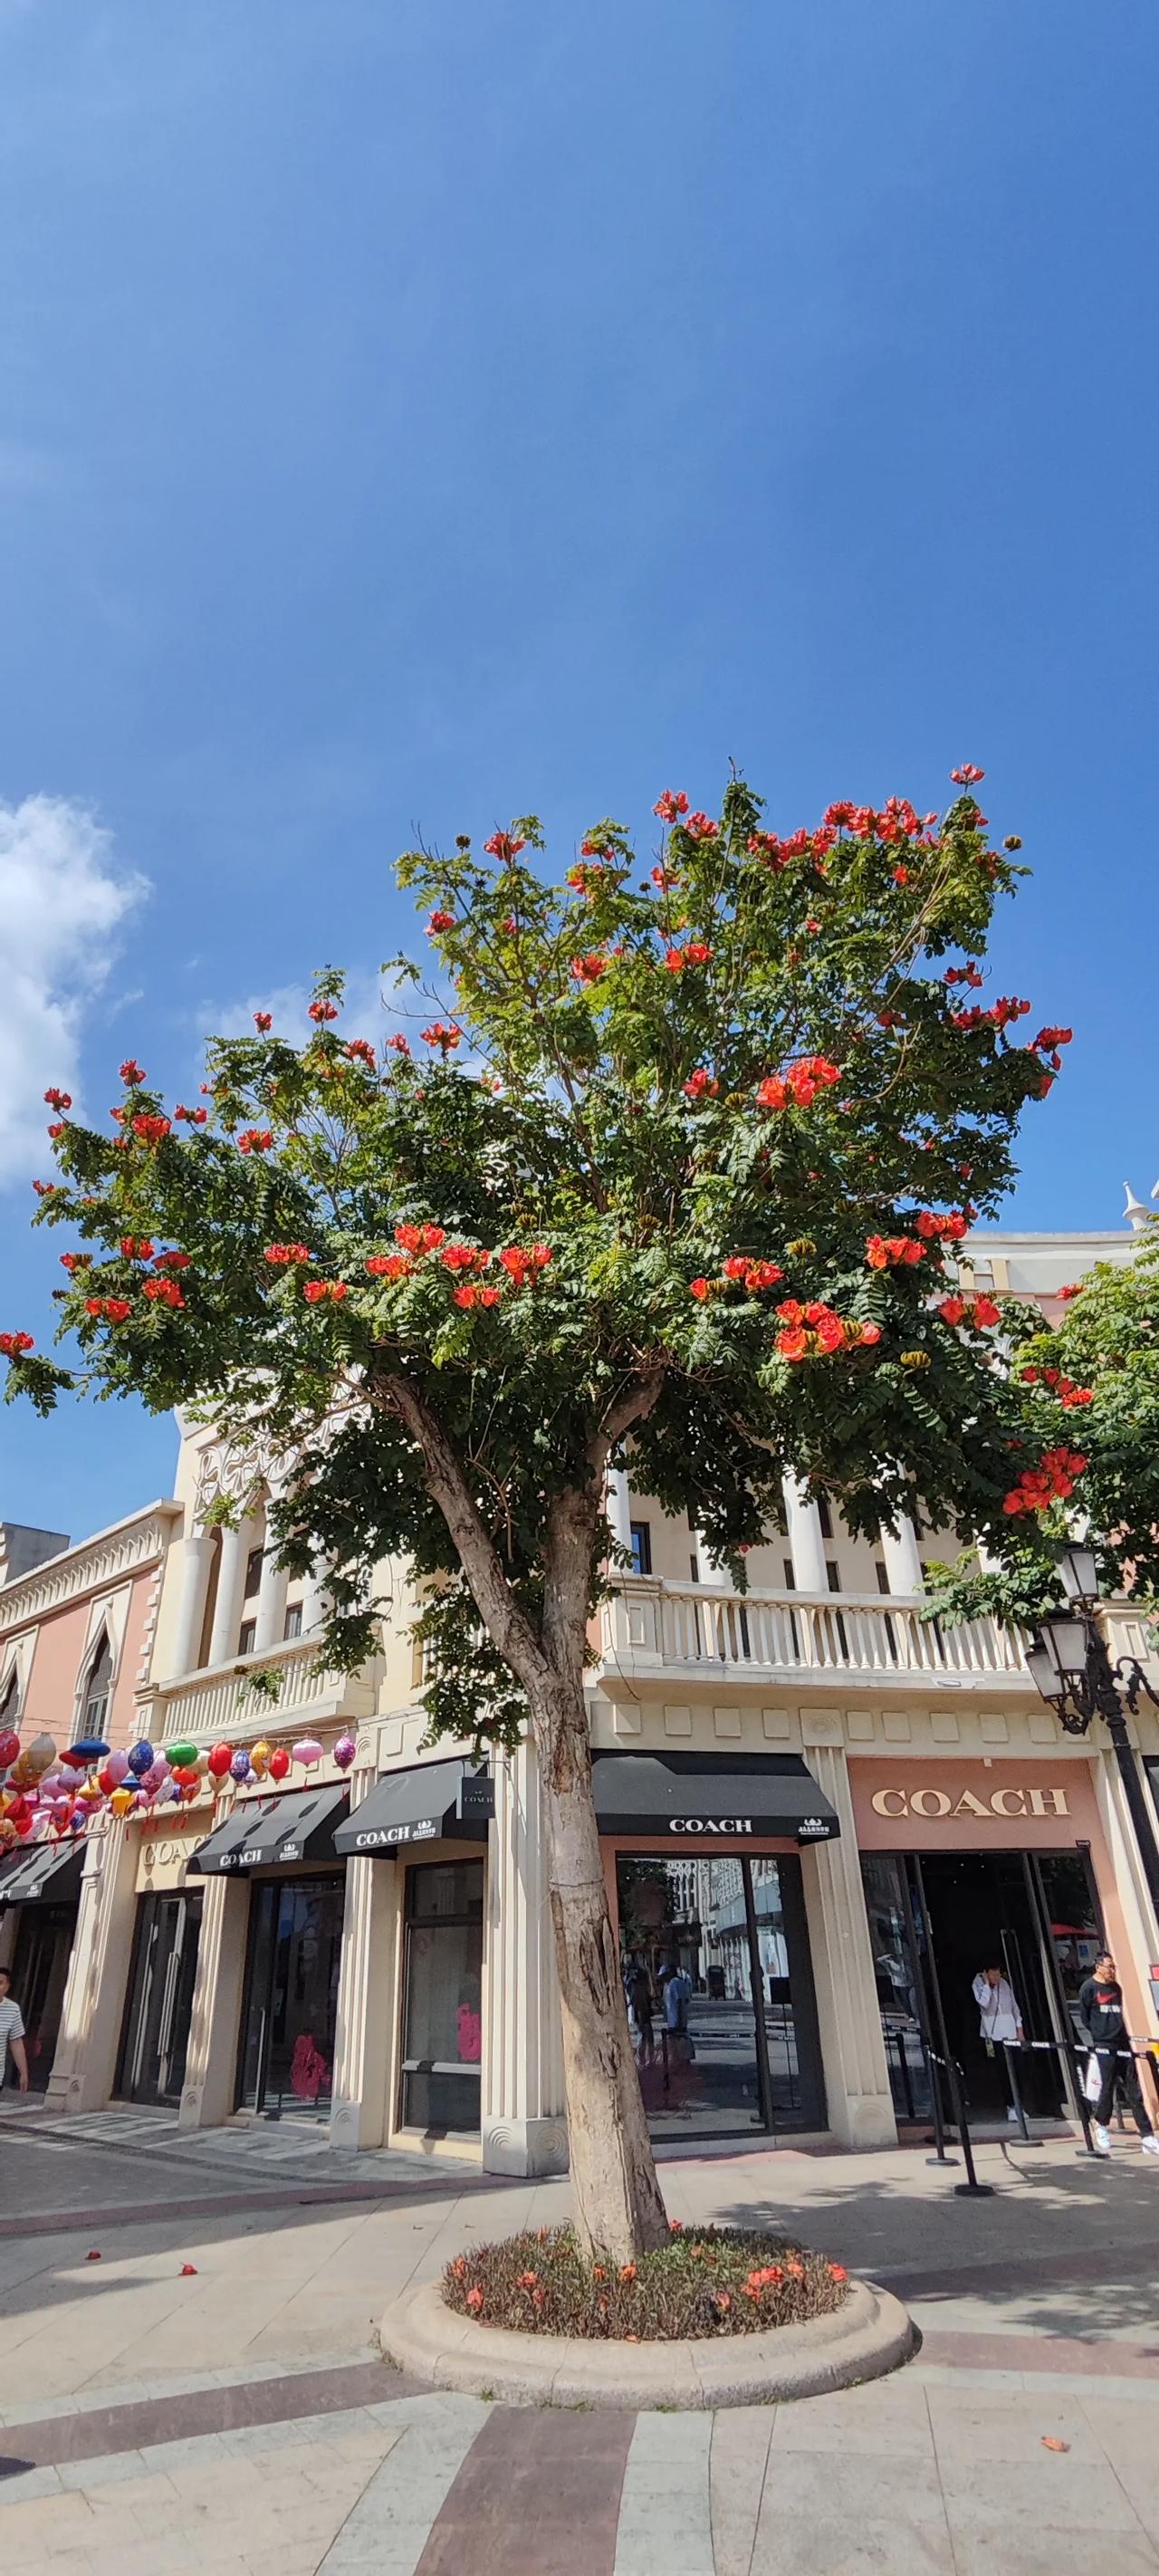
507,1626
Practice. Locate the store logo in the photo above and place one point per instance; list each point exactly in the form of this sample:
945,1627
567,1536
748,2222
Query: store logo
935,1804
814,1829
710,1824
377,1837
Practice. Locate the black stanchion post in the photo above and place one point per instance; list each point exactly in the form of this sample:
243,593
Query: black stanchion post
972,2189
939,2156
1016,2094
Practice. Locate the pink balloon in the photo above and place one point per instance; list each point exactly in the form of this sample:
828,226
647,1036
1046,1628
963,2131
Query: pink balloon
117,1765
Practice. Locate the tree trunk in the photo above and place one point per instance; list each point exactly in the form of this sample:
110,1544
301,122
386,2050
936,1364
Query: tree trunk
618,2207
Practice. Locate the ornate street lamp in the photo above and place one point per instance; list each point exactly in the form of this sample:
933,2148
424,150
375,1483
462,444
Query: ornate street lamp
1069,1664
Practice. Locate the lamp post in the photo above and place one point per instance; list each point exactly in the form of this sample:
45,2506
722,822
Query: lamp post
1069,1664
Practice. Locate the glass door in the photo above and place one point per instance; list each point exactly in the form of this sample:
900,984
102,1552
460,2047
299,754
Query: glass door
155,2043
442,2031
286,2059
39,1976
718,1979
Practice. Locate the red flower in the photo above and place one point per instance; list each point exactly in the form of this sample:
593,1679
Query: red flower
255,1140
870,1333
56,1128
263,1021
837,2272
627,2271
441,921
441,1035
193,1117
736,1265
58,1099
502,845
164,1291
322,1010
173,1260
1074,1288
700,827
698,1083
793,1345
13,1344
837,816
588,969
831,1333
76,1260
901,876
117,1308
986,1312
465,1296
314,1290
388,1265
488,1296
360,1051
762,1274
136,1249
773,1093
151,1129
475,2296
671,805
952,1310
967,775
458,1256
700,1288
400,1044
132,1073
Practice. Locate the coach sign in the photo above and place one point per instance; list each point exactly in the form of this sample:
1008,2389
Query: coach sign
971,1805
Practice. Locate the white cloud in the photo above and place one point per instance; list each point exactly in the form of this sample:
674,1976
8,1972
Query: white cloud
62,903
373,1006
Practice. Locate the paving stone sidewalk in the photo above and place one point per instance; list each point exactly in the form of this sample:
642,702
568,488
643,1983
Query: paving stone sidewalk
236,2421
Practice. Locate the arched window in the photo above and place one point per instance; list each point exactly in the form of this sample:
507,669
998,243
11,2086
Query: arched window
97,1688
10,1701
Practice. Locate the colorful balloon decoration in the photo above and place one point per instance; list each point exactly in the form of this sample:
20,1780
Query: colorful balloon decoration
260,1758
122,1800
141,1759
185,1775
344,1751
8,1834
218,1762
241,1767
184,1757
307,1751
117,1767
279,1763
31,1765
89,1749
9,1747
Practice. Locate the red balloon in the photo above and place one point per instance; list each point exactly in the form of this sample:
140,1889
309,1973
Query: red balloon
219,1761
279,1763
187,1780
105,1781
9,1747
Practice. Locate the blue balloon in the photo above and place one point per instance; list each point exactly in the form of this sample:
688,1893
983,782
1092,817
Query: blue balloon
141,1759
241,1766
89,1748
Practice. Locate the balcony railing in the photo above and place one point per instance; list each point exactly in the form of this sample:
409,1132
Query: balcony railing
682,1628
210,1707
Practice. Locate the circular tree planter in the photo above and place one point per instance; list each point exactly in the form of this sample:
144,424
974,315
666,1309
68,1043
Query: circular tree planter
869,2334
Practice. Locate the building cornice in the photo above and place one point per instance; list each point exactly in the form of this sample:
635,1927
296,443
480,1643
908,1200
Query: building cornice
109,1556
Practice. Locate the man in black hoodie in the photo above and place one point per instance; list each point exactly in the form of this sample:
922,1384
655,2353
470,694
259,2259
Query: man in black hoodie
1103,2027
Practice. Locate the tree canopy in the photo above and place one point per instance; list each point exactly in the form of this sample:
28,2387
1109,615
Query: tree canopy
672,1152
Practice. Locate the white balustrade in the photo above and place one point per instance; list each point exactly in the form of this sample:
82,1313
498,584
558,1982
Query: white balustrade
208,1706
859,1635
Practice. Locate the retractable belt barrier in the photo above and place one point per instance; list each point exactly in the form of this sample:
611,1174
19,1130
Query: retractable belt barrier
1074,2057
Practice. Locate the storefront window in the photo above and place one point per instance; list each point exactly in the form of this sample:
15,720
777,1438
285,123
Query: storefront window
442,2004
159,2006
291,2008
895,1976
733,2043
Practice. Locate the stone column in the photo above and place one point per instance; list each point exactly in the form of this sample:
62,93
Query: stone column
235,1546
367,1996
196,1564
315,1598
857,2085
271,1609
211,2065
619,1507
805,1541
899,1547
524,2130
85,2066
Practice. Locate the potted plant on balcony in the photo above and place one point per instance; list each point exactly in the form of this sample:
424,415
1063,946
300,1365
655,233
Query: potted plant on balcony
674,1161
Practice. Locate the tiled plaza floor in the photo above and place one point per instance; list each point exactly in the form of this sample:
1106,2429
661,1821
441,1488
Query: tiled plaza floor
235,2420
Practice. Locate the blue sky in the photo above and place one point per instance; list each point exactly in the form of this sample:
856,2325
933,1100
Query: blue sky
414,414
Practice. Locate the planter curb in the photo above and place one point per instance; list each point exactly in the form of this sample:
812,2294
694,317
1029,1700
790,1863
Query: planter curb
870,2334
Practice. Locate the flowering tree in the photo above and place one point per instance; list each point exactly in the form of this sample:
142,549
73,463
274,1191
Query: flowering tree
676,1166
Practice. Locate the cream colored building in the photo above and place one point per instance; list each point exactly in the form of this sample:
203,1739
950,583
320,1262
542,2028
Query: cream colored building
812,1800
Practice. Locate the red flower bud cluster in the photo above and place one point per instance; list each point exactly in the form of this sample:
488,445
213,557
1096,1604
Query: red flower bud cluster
440,1034
76,1261
464,1256
136,1247
893,1251
1053,1480
694,953
977,1311
588,969
151,1128
967,775
801,1083
173,1260
1064,1387
389,1265
520,1265
1005,1009
263,1021
671,805
755,1274
587,880
440,921
56,1128
58,1099
400,1044
45,1189
132,1073
700,1084
14,1344
930,1225
470,1294
700,827
767,2277
420,1238
1048,1043
255,1140
970,973
323,1010
360,1051
193,1117
114,1308
317,1291
504,846
164,1292
1074,1288
815,1331
279,1255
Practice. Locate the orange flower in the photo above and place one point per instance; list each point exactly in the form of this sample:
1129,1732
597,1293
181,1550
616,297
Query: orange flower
627,2271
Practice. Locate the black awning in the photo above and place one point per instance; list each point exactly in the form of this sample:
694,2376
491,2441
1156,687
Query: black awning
263,1833
421,1805
734,1796
48,1874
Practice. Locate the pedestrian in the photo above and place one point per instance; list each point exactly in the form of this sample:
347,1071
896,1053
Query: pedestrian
11,2035
677,1995
1001,2016
1100,2019
637,1987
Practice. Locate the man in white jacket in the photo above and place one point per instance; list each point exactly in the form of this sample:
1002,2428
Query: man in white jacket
1000,2012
